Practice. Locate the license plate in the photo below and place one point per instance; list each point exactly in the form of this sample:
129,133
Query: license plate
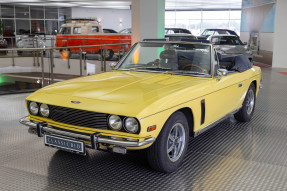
65,144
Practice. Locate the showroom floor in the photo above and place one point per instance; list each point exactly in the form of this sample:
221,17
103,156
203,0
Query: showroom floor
231,156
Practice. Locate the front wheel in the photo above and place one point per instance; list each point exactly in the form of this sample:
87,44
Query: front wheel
248,106
167,153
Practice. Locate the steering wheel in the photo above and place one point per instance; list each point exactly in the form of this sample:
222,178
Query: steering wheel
193,65
156,62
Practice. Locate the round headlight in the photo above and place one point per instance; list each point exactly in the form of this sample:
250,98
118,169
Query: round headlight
115,122
131,125
44,110
33,108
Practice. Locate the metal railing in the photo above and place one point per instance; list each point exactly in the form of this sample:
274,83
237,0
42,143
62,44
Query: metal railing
45,59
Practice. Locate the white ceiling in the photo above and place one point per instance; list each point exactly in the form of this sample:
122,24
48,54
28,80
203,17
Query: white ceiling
125,4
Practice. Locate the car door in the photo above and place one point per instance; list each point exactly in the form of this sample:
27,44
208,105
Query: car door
227,94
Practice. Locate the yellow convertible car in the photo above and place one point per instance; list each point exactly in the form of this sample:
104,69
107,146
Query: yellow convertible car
158,96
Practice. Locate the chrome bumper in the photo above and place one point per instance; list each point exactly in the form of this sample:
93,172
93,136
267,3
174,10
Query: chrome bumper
40,129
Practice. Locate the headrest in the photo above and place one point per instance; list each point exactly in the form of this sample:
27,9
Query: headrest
167,54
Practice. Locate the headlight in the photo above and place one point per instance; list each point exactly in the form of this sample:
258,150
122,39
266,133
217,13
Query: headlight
115,122
131,125
33,108
44,110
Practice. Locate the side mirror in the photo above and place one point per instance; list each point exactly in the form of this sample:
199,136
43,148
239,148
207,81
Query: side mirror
113,65
222,72
54,32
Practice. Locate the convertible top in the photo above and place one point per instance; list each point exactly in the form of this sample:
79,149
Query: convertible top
241,63
238,63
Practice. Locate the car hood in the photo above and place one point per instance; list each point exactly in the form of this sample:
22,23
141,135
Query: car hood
131,91
232,49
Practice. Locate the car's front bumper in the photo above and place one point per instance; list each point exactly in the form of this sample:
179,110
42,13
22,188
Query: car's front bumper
92,140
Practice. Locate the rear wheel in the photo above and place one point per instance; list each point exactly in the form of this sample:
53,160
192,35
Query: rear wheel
167,153
20,53
247,110
107,54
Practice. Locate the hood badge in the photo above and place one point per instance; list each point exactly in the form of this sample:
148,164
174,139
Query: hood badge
76,102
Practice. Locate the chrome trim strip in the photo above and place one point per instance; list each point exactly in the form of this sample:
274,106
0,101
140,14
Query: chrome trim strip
49,129
214,123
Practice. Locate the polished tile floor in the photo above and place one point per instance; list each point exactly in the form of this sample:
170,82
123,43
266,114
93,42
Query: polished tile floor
231,156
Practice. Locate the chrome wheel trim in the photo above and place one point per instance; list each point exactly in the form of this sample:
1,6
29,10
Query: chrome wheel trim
250,101
176,142
107,53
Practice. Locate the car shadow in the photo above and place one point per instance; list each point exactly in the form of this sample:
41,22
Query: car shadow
228,141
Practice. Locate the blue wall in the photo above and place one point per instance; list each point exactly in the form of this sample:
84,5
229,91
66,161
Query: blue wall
269,21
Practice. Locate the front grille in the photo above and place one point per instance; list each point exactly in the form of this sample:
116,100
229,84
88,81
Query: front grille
78,117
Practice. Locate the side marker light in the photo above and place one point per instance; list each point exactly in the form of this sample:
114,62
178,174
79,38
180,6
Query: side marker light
151,128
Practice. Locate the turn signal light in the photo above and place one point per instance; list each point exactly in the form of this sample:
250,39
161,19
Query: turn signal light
151,128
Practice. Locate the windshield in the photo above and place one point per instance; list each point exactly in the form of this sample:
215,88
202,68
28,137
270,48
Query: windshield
226,40
207,33
65,30
168,57
178,38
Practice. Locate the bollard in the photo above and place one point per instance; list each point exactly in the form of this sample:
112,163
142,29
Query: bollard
104,58
52,65
81,67
119,49
42,63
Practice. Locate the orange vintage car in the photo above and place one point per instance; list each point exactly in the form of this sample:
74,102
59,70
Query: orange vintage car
85,32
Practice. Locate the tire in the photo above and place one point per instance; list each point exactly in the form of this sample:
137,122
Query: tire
246,112
20,53
158,155
107,54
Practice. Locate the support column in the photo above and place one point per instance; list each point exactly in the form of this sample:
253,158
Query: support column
147,19
279,48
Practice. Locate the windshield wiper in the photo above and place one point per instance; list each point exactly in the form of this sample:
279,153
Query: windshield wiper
150,68
187,72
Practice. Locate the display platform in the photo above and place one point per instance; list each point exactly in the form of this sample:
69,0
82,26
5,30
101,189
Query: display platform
231,156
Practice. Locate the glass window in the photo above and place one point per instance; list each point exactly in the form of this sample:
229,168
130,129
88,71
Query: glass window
194,26
235,26
226,40
7,11
22,27
51,26
95,29
37,26
65,30
182,23
77,30
9,27
65,13
188,15
215,14
51,13
208,32
235,15
126,31
217,24
178,38
170,15
191,59
167,31
37,12
169,23
197,21
22,12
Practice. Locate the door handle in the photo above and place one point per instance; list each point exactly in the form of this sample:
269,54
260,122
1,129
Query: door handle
240,85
